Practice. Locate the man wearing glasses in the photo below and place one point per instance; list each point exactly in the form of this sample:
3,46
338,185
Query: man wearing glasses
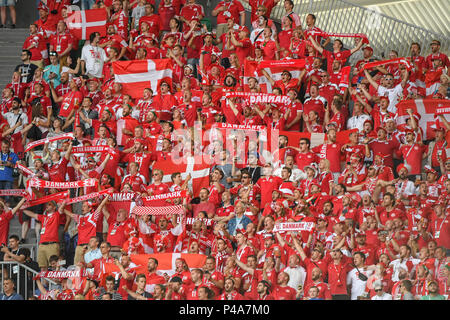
380,294
388,89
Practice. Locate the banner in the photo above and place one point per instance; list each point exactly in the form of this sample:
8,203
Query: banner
396,61
293,226
90,196
34,144
427,109
190,221
223,125
38,183
136,75
13,192
24,169
276,66
94,149
59,275
166,196
52,197
157,211
339,35
82,23
443,109
253,98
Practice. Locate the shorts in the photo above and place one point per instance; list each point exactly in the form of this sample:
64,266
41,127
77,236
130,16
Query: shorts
9,3
45,251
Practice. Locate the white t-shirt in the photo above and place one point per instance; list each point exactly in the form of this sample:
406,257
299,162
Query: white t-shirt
384,296
94,57
297,276
394,95
358,286
357,122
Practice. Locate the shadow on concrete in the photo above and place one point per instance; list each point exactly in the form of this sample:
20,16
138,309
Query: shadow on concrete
26,12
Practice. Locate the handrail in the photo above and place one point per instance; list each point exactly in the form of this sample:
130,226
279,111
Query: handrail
20,288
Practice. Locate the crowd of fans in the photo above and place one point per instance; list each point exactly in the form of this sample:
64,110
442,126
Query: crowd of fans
379,203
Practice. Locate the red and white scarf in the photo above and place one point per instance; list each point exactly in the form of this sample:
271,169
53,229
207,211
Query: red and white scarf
38,183
34,144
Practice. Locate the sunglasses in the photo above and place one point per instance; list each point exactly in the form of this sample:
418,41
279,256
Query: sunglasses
378,290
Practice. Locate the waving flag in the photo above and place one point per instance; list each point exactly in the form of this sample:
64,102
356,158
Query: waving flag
428,109
198,170
166,261
136,75
82,23
274,68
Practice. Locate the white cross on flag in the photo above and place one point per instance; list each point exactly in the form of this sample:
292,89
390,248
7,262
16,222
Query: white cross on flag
426,108
199,172
166,261
82,23
136,75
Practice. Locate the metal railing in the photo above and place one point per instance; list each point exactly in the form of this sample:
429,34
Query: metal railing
384,33
22,276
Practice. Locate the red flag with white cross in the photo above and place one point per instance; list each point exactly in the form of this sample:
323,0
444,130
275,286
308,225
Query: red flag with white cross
83,22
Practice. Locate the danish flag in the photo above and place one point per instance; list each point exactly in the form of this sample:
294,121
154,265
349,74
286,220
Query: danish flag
166,261
136,75
199,171
428,110
82,23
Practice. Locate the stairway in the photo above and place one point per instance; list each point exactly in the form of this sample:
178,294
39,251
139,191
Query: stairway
11,41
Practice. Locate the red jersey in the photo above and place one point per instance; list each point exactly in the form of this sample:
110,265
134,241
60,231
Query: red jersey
60,42
304,159
50,224
57,172
71,101
284,293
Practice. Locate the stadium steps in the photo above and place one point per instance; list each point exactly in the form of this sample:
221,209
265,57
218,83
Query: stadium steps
11,41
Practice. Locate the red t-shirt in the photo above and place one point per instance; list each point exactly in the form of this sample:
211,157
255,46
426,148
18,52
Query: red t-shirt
87,226
234,9
60,42
116,232
244,51
71,100
284,293
50,224
337,277
332,152
412,154
304,159
57,172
